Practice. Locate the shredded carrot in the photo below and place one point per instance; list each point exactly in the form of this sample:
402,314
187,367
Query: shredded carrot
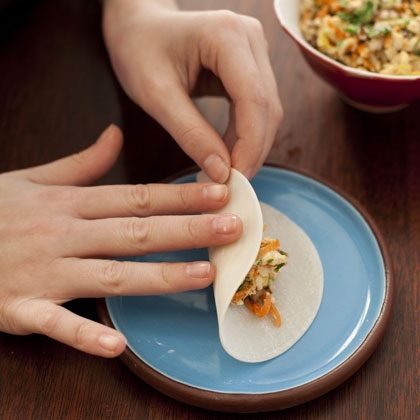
335,6
274,312
271,246
339,33
239,296
362,50
322,12
263,310
388,41
259,310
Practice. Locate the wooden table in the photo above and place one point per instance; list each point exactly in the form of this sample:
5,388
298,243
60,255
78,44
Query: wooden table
57,92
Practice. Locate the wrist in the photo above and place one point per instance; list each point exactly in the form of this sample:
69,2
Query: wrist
118,14
139,5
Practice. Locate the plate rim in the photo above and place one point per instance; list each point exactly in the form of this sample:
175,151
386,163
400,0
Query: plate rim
270,401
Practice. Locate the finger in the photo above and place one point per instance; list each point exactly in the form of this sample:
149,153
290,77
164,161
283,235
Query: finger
177,113
235,64
97,277
138,236
145,200
60,324
259,48
82,168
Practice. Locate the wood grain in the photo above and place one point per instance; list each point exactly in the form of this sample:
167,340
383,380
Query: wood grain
57,92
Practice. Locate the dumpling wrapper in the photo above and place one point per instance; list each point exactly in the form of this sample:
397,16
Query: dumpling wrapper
297,290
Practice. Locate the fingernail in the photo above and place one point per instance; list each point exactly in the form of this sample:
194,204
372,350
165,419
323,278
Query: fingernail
109,342
215,166
225,224
198,269
216,192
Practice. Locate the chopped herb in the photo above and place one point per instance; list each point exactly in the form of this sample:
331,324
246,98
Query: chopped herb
270,261
352,29
359,16
283,253
373,32
405,23
279,266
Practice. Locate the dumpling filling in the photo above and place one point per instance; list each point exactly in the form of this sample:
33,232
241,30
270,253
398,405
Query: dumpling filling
255,292
376,35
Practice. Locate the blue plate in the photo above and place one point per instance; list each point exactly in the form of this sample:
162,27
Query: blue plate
176,335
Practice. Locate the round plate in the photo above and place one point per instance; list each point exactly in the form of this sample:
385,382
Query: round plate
173,341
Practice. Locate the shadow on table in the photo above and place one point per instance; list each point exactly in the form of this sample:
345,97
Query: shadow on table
150,154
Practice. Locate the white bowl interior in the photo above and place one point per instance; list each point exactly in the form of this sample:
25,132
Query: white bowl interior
287,12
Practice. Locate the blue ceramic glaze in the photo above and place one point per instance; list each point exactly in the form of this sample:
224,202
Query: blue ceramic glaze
177,334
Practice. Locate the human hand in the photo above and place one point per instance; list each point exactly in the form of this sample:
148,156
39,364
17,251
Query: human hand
55,236
162,55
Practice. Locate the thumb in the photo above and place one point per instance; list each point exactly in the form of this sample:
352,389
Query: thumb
196,137
81,168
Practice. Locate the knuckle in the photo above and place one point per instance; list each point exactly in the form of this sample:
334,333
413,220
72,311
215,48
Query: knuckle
136,232
190,231
138,199
189,137
65,197
9,316
53,194
155,88
165,274
254,24
229,20
113,276
81,334
48,321
184,197
278,112
259,97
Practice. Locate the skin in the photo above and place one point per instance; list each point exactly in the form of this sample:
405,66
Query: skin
57,234
50,254
162,56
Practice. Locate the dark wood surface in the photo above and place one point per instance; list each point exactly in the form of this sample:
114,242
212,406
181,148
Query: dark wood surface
57,92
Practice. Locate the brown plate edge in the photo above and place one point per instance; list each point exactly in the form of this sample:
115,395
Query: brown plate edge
248,403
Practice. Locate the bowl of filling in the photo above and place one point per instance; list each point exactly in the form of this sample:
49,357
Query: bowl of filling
369,50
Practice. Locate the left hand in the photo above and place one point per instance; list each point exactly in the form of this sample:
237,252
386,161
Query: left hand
162,56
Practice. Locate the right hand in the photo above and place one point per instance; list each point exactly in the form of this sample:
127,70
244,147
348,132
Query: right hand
56,237
162,56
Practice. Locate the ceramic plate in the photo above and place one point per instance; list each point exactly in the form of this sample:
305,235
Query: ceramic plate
173,341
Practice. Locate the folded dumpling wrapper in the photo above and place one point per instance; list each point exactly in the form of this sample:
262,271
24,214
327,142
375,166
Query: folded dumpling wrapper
297,289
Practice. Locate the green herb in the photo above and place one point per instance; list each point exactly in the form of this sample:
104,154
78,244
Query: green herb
279,266
242,286
359,16
352,29
373,32
405,23
270,261
283,253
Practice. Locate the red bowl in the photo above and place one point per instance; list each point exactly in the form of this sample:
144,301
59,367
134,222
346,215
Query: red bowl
373,92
